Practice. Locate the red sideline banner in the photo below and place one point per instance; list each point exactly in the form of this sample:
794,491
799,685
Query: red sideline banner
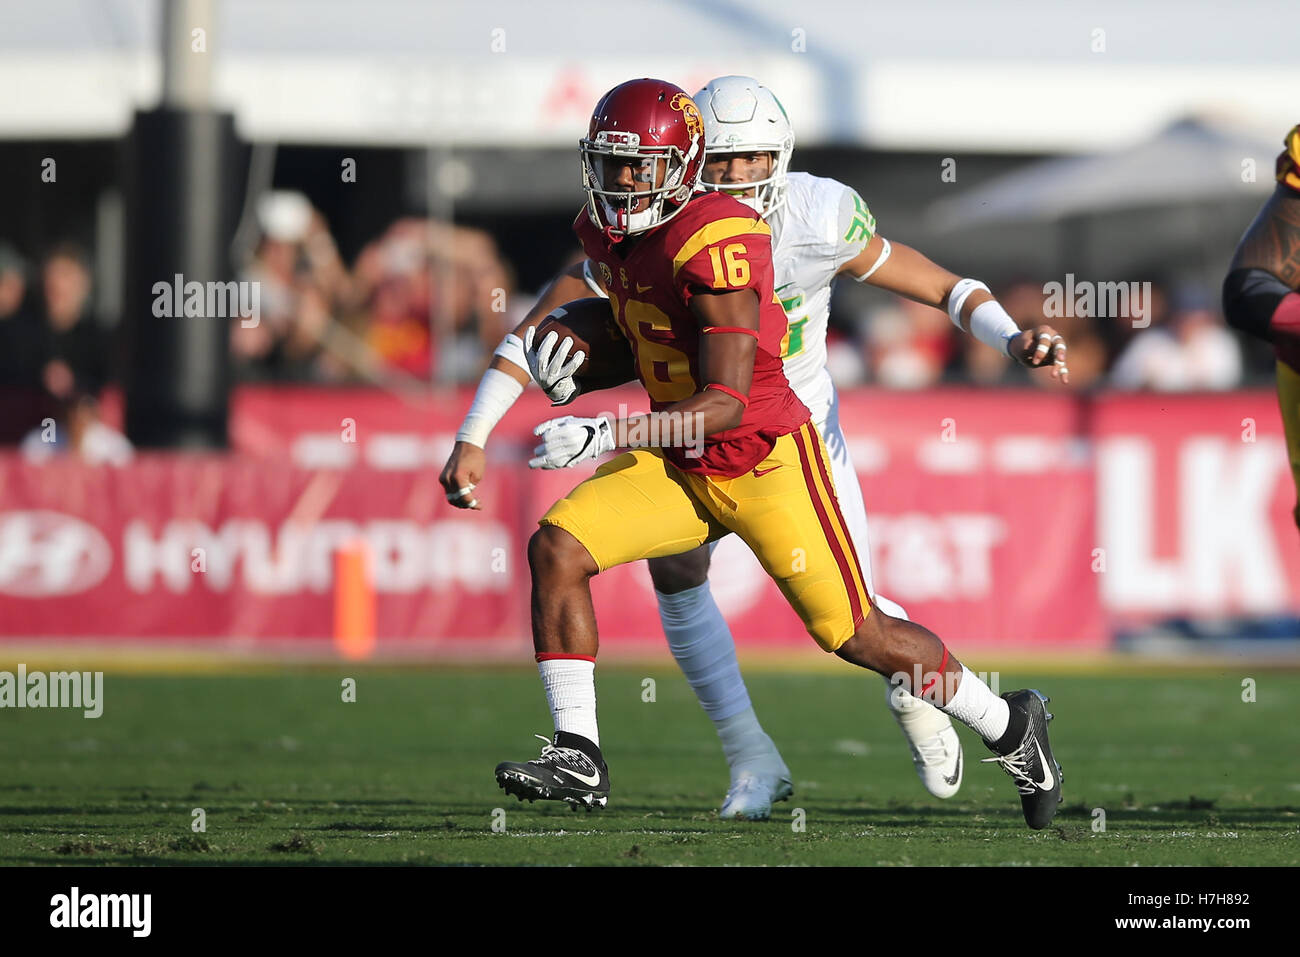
180,547
997,518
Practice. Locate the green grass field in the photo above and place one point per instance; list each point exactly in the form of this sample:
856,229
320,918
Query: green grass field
287,773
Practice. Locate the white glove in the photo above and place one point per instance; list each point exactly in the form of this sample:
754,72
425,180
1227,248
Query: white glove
569,440
548,366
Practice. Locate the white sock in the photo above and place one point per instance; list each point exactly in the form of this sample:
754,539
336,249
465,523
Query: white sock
705,651
702,644
570,685
745,743
975,705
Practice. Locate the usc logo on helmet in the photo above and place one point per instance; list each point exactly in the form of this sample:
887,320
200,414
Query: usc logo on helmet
690,114
1288,164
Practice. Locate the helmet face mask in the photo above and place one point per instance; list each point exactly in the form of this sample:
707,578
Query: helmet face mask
742,116
632,203
751,183
642,157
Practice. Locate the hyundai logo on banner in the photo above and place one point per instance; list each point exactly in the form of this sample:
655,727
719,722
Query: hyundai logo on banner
48,553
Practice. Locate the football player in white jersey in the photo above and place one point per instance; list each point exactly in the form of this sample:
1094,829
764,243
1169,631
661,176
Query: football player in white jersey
821,229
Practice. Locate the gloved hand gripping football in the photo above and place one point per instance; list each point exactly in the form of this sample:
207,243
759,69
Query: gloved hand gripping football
552,367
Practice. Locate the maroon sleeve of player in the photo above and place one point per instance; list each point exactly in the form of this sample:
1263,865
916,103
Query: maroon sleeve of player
738,256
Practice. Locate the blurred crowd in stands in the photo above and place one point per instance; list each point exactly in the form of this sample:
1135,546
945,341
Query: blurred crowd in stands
55,358
423,302
1180,343
323,321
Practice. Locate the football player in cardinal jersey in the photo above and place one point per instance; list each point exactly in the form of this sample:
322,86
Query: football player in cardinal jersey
1259,293
821,229
707,342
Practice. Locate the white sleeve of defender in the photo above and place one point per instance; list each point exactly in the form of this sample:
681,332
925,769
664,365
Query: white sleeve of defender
855,228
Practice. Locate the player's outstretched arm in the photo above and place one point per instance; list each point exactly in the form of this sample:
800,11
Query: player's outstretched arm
502,383
969,303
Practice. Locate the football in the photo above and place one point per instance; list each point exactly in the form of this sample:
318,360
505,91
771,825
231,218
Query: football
591,324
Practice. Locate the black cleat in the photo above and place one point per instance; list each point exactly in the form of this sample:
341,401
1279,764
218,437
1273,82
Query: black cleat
571,770
1025,754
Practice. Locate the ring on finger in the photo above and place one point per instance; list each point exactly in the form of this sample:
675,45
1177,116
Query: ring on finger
465,490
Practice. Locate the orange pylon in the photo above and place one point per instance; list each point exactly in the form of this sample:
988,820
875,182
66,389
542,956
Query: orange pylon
354,602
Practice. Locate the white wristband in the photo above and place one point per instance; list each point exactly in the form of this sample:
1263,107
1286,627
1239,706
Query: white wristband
512,350
990,324
957,298
496,393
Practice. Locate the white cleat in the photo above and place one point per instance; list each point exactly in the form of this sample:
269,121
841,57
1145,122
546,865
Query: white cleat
753,793
936,749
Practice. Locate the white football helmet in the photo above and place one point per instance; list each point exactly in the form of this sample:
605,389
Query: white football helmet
743,116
